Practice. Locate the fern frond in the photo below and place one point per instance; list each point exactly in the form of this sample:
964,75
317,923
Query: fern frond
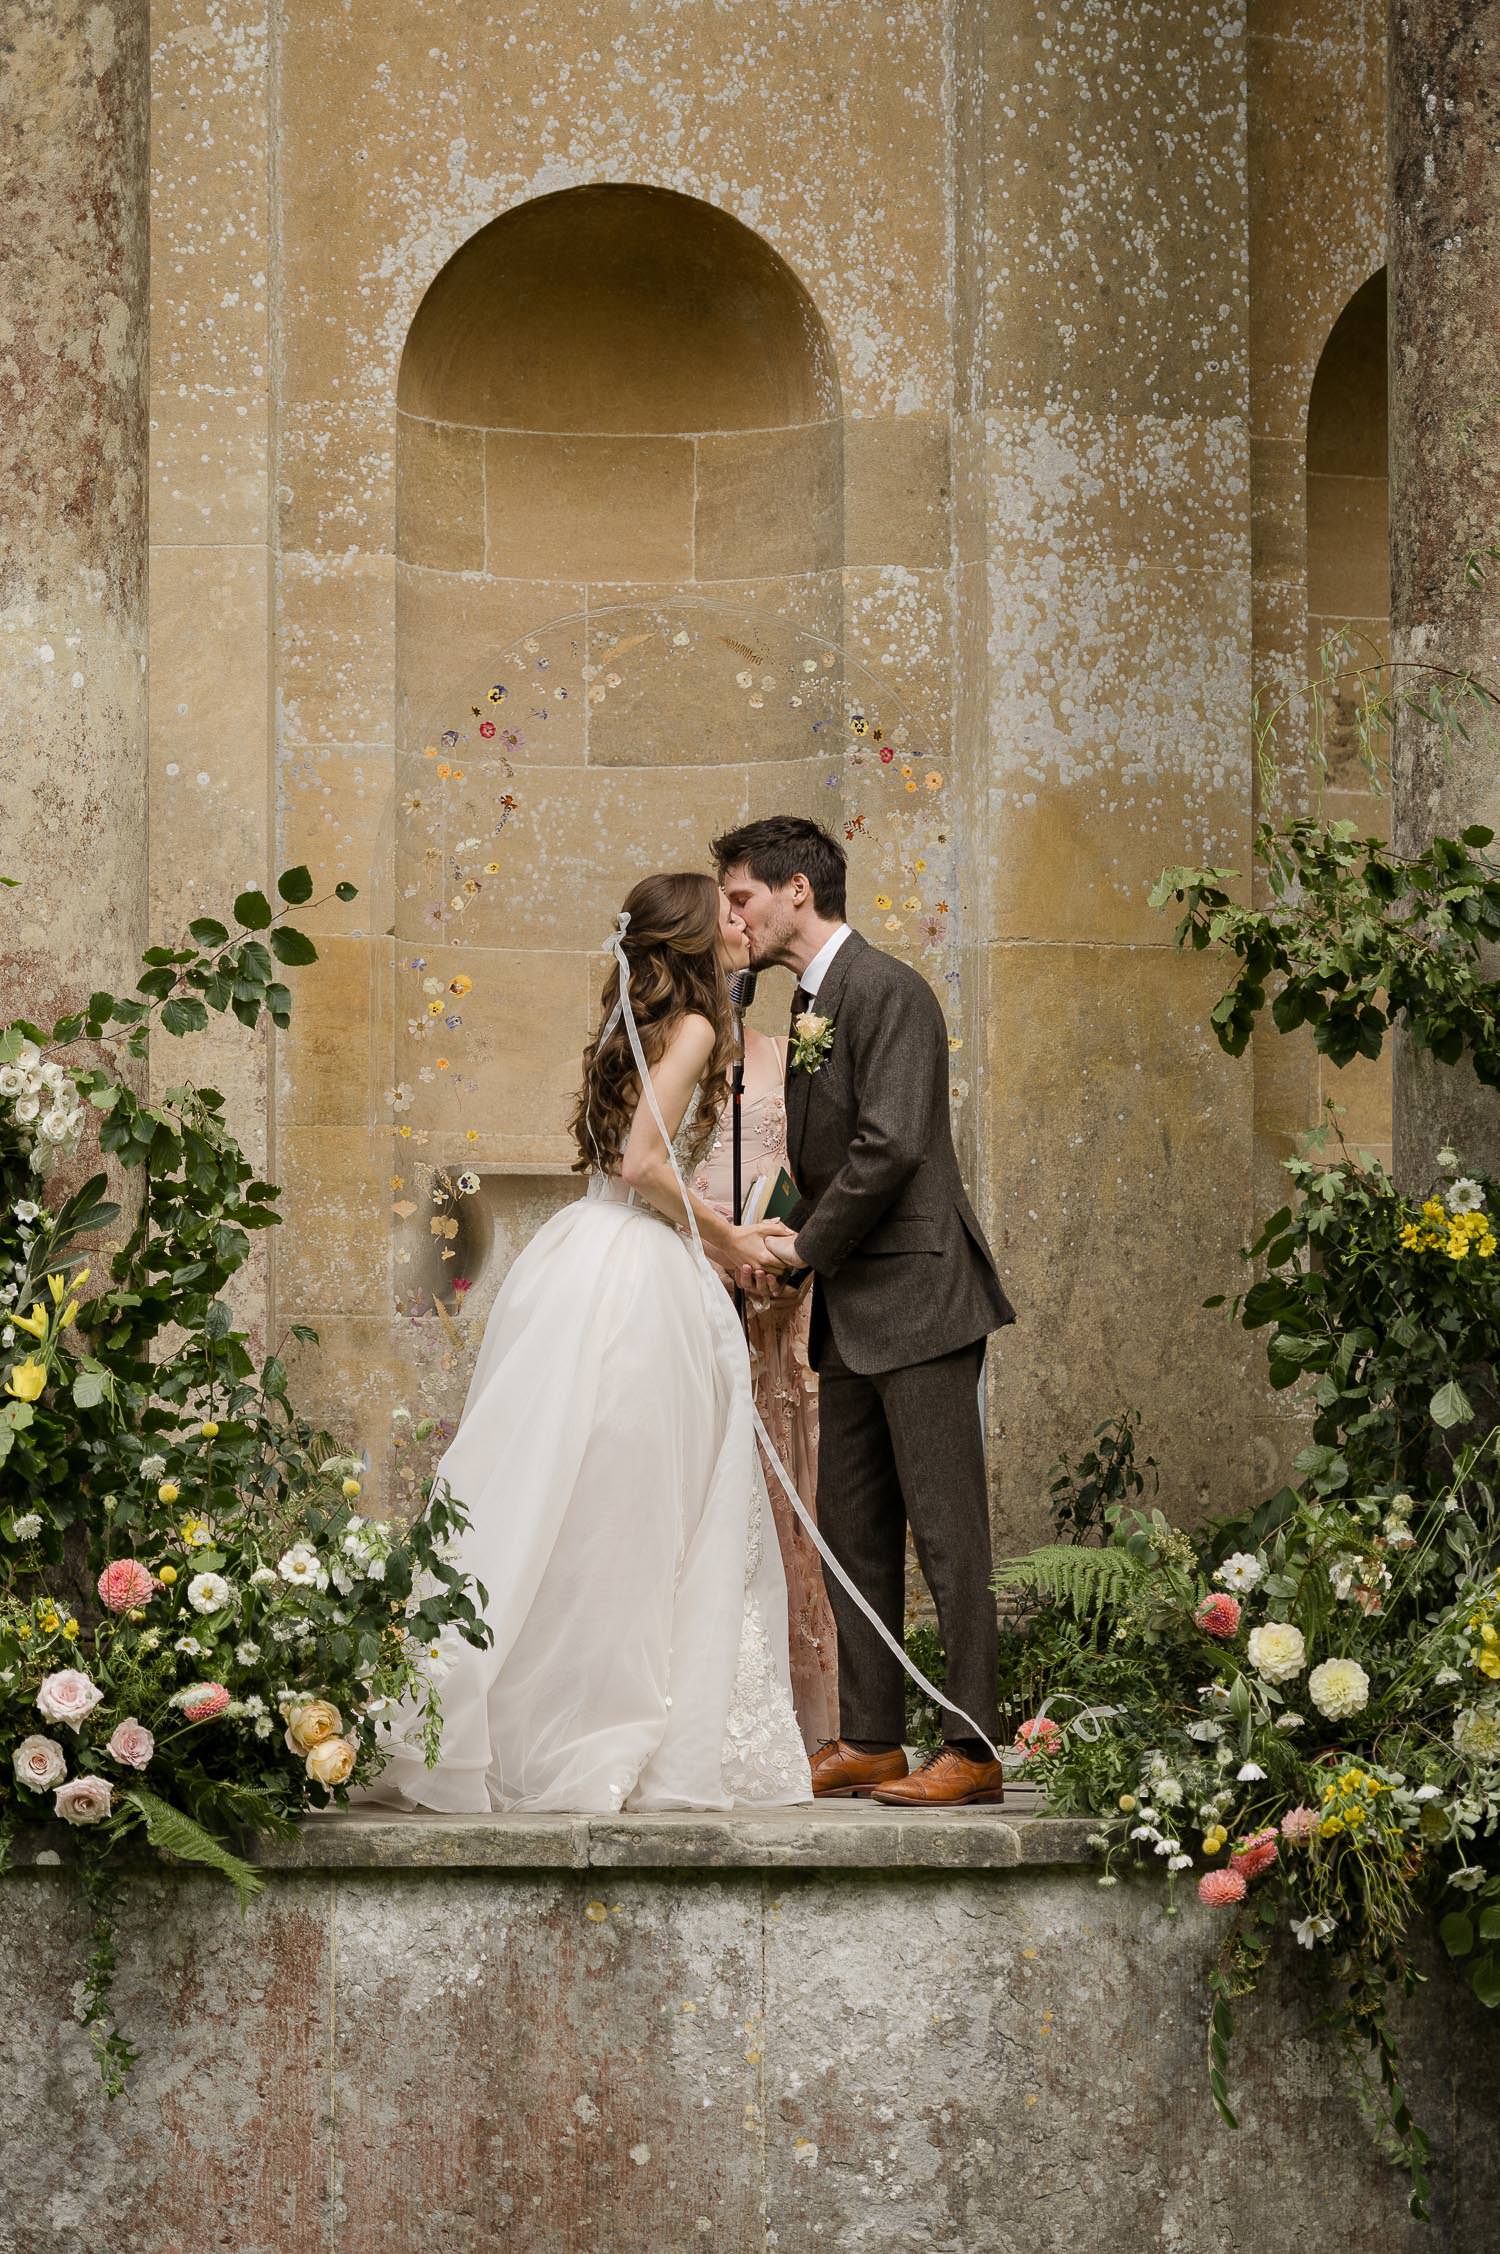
1087,1581
173,1833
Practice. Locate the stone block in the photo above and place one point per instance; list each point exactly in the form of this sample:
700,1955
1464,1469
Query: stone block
459,635
677,682
612,2026
334,1246
1119,1145
1348,566
329,1062
210,463
898,656
336,818
1156,489
440,495
336,477
1120,724
897,495
513,1062
335,649
768,503
585,506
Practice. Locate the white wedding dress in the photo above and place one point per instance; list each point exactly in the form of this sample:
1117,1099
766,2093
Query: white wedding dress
619,1521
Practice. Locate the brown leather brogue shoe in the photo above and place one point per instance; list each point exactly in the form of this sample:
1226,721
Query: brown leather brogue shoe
946,1779
842,1772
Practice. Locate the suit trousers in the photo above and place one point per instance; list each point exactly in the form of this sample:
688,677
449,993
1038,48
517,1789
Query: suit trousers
906,1445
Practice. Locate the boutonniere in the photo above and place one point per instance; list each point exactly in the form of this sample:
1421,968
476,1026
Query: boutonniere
813,1038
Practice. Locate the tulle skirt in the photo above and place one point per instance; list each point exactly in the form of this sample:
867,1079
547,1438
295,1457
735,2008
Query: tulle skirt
620,1527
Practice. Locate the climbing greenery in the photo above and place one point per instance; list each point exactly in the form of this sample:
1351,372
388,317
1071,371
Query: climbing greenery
202,1634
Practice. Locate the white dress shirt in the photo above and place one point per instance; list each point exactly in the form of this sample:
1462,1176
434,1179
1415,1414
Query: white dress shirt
817,970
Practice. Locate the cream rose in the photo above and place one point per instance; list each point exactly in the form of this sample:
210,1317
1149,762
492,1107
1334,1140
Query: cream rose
312,1725
1277,1651
40,1762
332,1761
86,1800
1338,1688
809,1025
132,1744
68,1696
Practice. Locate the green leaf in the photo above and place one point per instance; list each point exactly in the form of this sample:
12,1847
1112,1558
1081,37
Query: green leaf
172,1832
346,891
295,885
1484,1979
184,1014
253,911
1450,1405
1489,1923
208,932
89,1389
289,946
1456,1932
1477,836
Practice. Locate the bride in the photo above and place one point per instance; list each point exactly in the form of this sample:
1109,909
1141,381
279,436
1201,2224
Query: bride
618,1512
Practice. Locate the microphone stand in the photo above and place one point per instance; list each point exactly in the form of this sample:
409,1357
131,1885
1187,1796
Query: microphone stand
742,988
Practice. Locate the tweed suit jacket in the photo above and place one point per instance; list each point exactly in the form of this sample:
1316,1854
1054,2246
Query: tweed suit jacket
903,1271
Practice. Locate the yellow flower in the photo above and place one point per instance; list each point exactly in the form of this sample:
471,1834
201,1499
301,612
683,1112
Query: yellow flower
168,1491
23,1629
882,899
166,1574
36,1324
50,1623
210,1431
27,1380
350,1489
934,782
436,1009
57,1285
461,984
67,1314
1214,1839
1330,1826
70,1629
1489,1664
1128,1803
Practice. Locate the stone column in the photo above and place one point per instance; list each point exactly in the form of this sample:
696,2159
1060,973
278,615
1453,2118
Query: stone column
73,341
1444,169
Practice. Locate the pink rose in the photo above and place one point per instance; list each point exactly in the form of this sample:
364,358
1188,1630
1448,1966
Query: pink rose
1219,1888
1254,1855
68,1696
1299,1824
125,1583
132,1744
85,1800
200,1702
1040,1735
1219,1616
40,1762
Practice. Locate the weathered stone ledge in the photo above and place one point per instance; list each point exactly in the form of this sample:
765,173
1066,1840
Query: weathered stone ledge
836,1835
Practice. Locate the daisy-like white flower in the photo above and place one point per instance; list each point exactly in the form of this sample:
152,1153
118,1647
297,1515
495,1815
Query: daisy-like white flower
1250,1772
1311,1930
300,1566
247,1654
1465,1196
1239,1572
208,1592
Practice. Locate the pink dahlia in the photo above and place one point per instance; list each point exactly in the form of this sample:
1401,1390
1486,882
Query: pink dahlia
1219,1615
1299,1824
1254,1855
124,1584
200,1702
1219,1888
1038,1736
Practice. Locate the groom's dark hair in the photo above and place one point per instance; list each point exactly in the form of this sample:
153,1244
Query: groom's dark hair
784,846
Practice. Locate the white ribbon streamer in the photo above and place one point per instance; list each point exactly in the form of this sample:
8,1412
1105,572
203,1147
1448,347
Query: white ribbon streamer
615,945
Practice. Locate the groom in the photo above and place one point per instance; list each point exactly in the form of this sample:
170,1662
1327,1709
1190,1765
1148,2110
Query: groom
904,1295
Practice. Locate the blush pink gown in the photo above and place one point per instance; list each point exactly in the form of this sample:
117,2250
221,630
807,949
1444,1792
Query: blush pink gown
786,1394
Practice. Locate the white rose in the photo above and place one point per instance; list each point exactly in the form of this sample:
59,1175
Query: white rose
809,1025
40,1762
1338,1688
85,1801
1277,1651
68,1696
27,1108
208,1592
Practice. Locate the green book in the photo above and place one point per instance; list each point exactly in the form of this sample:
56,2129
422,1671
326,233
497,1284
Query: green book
771,1199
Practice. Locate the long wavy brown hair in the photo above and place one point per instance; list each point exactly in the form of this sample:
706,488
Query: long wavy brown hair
672,947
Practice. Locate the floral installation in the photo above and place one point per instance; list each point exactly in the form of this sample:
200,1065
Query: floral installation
812,1041
200,1622
1303,1737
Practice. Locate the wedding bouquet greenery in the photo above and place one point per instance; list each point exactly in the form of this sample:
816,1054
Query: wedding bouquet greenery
199,1625
1296,1715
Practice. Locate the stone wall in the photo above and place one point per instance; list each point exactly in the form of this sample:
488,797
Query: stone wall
805,2031
945,363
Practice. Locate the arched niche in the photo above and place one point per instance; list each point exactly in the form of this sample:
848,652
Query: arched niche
616,405
1348,592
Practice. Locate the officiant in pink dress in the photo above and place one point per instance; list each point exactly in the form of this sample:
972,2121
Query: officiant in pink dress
786,1388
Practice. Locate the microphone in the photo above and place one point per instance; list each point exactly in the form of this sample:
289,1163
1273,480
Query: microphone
742,988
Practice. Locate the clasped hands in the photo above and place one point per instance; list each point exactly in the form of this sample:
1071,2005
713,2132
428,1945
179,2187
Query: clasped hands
770,1250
